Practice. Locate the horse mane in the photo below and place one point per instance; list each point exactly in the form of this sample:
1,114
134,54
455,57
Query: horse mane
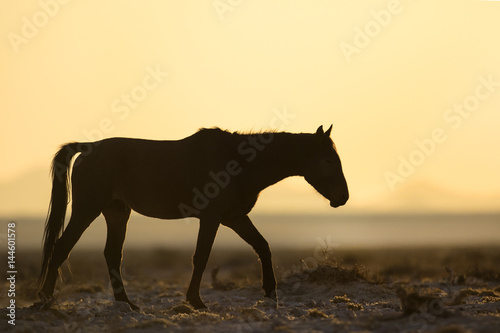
285,138
250,132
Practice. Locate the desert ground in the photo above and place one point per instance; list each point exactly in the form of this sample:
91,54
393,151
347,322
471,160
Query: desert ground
332,290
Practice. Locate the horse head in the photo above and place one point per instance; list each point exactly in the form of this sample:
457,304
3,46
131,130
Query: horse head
323,169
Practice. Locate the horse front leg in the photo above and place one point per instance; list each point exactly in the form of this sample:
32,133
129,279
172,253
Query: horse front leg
247,231
206,236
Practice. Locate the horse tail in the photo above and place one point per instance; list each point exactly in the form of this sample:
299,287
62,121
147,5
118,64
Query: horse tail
54,223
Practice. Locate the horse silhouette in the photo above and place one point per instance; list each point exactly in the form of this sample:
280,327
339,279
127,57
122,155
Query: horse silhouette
213,175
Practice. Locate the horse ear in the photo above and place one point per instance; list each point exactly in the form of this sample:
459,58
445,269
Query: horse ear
328,131
319,131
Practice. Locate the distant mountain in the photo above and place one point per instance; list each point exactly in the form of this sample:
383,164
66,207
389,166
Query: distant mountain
28,194
421,196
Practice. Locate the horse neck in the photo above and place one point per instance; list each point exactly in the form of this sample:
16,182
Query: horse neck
282,157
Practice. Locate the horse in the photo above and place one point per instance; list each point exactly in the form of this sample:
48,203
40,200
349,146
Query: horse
213,175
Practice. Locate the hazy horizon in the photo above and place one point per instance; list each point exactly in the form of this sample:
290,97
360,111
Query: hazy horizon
303,231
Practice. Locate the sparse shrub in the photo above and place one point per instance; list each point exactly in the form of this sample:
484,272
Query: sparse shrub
340,299
488,293
315,313
252,314
183,308
486,274
490,299
459,299
354,306
488,296
329,272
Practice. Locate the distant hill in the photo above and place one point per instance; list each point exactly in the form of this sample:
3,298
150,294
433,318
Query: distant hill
28,194
420,196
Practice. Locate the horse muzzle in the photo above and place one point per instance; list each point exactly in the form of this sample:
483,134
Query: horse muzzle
339,202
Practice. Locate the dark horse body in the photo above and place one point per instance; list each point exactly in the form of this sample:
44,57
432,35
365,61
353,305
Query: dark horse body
213,175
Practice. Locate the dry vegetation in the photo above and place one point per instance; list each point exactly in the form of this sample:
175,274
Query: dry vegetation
383,290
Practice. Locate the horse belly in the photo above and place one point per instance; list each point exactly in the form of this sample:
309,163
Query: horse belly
154,196
154,191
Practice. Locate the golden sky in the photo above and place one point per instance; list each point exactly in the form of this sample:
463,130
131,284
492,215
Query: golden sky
412,88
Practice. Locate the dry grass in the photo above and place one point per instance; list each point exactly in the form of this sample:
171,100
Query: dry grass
340,299
330,272
316,313
455,265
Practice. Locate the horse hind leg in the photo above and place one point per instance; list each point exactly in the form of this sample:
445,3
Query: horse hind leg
79,221
116,215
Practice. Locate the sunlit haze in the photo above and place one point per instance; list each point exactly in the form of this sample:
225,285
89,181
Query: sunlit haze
411,87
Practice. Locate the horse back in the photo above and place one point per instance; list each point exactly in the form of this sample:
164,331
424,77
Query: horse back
156,178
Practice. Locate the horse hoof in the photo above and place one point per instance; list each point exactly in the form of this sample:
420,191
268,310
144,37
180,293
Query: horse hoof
133,306
198,304
125,306
42,297
270,301
272,295
45,302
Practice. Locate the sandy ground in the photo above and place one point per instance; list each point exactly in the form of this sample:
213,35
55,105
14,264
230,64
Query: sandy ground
385,290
